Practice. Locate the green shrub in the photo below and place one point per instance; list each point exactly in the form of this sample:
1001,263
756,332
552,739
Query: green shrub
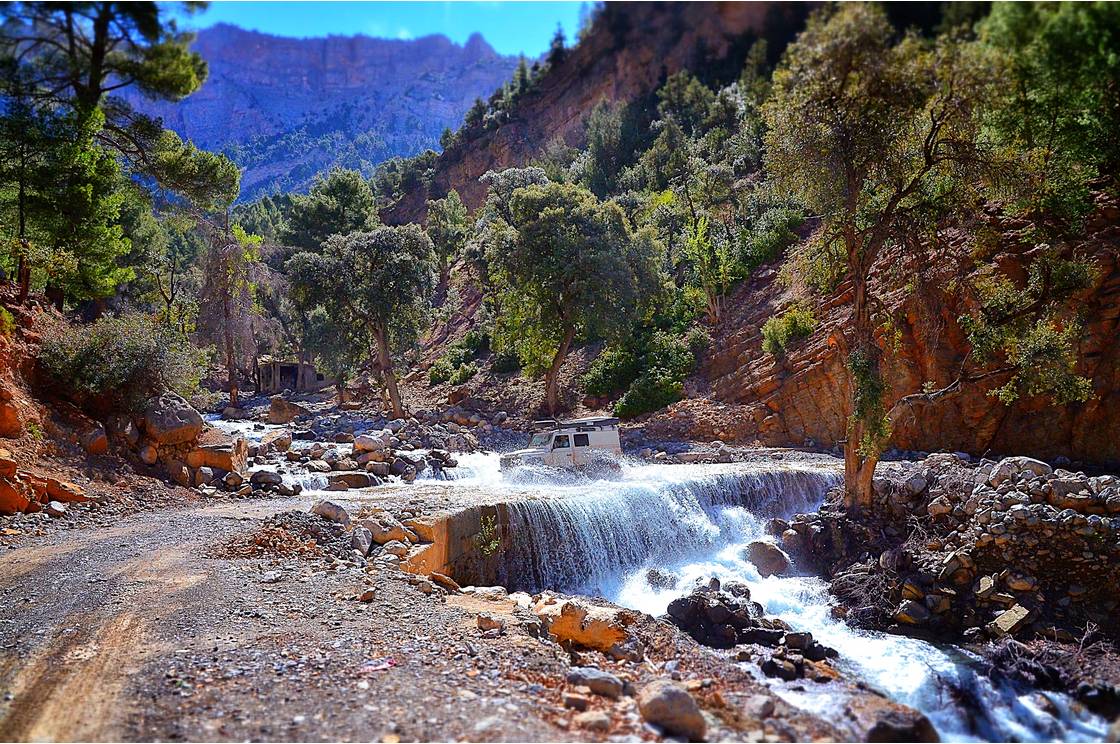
439,372
771,234
782,330
463,373
7,322
698,340
654,389
502,362
614,369
119,362
457,358
671,354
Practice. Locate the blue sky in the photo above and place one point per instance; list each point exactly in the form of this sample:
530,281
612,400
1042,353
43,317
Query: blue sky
510,27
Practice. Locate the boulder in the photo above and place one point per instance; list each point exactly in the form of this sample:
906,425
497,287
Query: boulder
758,707
385,528
204,476
169,419
11,425
331,511
486,621
231,456
1009,467
342,481
596,680
911,612
1010,621
582,623
94,440
396,547
149,455
56,509
767,557
281,411
67,493
8,466
372,442
180,473
265,478
13,498
670,707
380,469
279,440
361,540
593,720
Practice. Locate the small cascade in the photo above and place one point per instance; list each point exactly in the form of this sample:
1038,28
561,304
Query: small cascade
585,537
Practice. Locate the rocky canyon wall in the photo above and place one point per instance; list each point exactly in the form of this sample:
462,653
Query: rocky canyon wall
627,55
743,393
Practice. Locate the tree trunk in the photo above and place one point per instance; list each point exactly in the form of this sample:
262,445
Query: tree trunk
56,295
552,394
23,276
386,363
23,270
859,467
231,364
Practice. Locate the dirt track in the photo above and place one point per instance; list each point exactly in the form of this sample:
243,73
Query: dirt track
131,632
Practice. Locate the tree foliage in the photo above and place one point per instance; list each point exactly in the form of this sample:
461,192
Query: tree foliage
566,266
341,202
377,281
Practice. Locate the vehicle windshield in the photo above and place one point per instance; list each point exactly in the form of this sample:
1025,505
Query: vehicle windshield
540,440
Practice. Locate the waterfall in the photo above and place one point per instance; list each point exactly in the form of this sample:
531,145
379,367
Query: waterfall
586,537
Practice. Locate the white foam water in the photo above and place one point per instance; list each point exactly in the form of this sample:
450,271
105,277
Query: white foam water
692,522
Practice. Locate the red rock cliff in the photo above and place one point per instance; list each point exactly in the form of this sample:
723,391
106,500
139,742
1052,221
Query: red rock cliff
743,393
622,59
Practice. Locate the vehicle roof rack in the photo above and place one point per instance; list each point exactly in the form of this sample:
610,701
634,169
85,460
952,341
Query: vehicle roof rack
592,421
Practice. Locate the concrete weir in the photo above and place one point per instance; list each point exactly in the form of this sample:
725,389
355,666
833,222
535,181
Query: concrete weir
586,535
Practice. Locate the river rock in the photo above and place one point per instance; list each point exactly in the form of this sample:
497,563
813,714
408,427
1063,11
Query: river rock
169,419
279,440
911,612
396,547
593,720
1010,621
265,478
372,442
1009,467
596,680
149,455
331,511
578,621
670,707
281,411
767,557
361,540
343,481
486,621
384,527
759,707
56,509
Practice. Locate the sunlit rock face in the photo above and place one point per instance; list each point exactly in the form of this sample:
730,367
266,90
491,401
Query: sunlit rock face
286,109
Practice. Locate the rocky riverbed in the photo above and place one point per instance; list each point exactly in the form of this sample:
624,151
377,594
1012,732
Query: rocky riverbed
357,595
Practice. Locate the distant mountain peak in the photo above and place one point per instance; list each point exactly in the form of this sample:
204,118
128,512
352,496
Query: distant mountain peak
287,108
477,47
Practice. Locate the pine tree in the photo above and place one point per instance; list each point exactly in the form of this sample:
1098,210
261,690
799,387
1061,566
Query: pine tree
557,51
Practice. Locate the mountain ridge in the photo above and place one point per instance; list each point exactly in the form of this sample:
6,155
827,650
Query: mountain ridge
286,108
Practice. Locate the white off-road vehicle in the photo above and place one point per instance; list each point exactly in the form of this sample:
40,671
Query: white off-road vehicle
580,444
